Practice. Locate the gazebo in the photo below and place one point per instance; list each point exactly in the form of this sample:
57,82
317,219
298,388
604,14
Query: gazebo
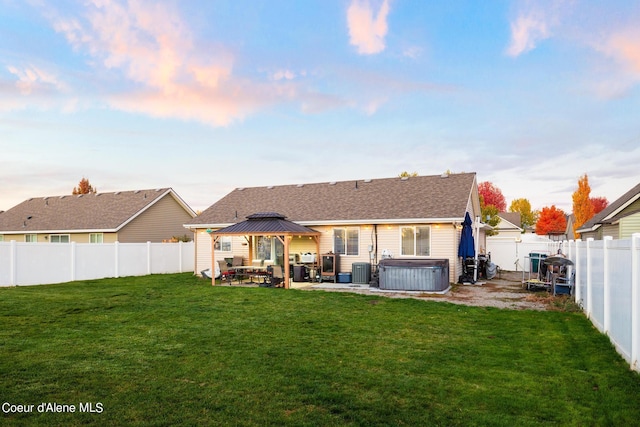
267,224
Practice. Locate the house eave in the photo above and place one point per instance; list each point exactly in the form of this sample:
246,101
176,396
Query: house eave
336,222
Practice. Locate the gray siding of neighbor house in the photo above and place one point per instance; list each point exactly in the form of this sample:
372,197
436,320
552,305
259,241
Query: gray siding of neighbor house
160,222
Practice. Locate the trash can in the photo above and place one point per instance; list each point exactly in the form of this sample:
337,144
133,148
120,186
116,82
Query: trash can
535,260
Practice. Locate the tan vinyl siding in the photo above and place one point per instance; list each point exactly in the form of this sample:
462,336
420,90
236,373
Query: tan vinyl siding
160,222
629,225
73,237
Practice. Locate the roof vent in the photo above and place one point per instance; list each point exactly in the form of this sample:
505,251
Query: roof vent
300,185
80,195
117,193
240,188
136,192
158,190
367,180
444,175
270,187
62,197
404,178
332,183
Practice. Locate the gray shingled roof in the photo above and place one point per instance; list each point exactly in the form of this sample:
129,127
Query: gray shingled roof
95,212
610,211
421,197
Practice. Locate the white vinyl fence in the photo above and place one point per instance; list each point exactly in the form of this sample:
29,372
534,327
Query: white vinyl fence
45,263
607,286
513,255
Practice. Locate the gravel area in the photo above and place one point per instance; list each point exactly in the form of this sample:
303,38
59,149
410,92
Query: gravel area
503,291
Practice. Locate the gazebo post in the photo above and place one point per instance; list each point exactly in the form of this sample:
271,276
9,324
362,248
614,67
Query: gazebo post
213,260
286,261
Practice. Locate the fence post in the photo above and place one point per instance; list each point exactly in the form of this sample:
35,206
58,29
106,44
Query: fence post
578,277
635,301
589,280
72,247
116,250
148,257
13,280
180,256
606,284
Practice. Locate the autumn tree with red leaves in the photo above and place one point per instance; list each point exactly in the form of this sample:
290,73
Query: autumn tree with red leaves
84,187
599,204
490,195
552,221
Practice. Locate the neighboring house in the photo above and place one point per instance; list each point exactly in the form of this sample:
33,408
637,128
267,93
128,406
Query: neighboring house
619,220
360,219
123,216
510,225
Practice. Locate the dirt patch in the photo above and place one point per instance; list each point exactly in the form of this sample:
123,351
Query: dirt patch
503,291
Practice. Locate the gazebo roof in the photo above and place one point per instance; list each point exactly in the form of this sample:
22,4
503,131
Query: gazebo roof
262,223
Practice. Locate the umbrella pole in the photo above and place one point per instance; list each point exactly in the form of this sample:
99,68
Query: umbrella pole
475,257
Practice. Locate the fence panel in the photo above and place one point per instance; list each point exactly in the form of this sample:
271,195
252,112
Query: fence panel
619,279
595,298
43,263
95,261
132,259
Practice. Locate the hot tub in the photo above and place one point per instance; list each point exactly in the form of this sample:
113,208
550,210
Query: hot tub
414,274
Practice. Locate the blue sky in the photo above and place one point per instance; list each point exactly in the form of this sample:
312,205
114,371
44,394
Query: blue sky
207,96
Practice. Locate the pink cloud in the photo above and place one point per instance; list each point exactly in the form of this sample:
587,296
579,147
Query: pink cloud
366,31
174,77
526,32
624,46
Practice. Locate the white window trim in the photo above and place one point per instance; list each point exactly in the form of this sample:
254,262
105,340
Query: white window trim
346,232
413,227
219,242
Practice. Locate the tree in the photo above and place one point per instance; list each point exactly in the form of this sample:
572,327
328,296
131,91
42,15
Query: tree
551,221
406,174
523,207
84,187
582,207
599,203
490,216
491,195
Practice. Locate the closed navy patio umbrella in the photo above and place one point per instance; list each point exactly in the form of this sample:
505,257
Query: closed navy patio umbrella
466,249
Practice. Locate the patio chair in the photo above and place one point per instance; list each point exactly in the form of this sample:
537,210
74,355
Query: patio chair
225,273
275,278
237,261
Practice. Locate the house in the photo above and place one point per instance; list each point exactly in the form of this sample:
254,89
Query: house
619,220
359,220
510,225
123,216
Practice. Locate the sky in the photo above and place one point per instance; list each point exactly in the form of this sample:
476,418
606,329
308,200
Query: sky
207,96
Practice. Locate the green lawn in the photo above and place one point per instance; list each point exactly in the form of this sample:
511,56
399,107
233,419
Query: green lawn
171,349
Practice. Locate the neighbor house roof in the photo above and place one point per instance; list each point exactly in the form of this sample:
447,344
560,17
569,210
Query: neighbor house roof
612,212
440,197
511,221
106,212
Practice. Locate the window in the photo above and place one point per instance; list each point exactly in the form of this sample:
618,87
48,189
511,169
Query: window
1,238
346,241
31,238
96,238
416,241
223,244
263,247
59,238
